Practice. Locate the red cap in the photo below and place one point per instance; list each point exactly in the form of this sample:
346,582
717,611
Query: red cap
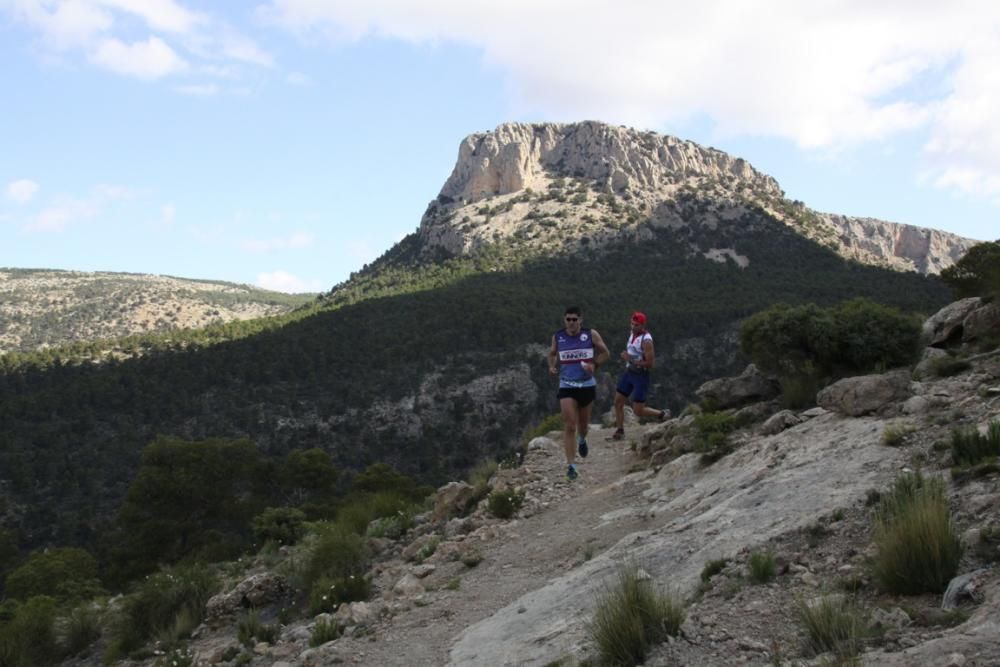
639,318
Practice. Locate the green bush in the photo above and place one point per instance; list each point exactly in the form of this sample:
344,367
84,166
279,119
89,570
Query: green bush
64,574
832,624
632,616
505,504
969,447
280,525
329,593
918,548
544,427
977,273
79,630
28,639
324,631
761,567
711,435
164,602
250,629
806,345
335,554
895,436
713,567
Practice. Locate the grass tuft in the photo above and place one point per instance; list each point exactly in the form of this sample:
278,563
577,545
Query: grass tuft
761,567
918,547
631,616
832,624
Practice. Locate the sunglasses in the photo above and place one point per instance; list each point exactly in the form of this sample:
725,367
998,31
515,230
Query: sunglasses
572,319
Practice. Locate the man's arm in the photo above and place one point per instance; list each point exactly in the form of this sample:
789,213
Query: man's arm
553,358
601,353
648,357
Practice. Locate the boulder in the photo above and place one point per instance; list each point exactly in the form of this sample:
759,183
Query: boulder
945,326
779,422
254,592
452,498
982,322
927,361
749,386
855,396
413,550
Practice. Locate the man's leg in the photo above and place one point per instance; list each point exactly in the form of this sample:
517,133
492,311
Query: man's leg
619,411
570,416
583,421
641,410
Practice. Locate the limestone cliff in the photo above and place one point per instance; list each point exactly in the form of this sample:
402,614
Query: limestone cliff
538,188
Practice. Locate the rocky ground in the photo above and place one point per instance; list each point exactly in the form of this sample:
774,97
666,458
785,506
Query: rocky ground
802,489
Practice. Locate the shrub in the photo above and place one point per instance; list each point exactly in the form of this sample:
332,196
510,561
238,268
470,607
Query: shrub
281,525
335,554
802,344
832,624
969,447
761,567
505,504
713,567
546,426
895,436
471,557
711,435
79,630
64,574
249,628
946,366
977,273
28,639
324,631
918,547
163,602
329,593
631,616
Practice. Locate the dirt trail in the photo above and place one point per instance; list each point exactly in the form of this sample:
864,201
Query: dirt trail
564,532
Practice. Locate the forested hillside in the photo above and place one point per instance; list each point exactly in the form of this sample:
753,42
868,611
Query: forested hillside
349,378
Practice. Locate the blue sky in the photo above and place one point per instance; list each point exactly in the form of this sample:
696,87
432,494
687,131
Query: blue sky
285,143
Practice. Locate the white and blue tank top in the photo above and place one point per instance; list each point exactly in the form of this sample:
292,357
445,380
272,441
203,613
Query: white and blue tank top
573,350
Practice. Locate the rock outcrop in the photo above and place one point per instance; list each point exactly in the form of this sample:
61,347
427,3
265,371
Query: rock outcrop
521,182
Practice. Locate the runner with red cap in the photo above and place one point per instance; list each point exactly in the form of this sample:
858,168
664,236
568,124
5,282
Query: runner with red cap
639,358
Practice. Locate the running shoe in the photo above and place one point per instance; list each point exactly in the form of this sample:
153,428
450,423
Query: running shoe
619,434
664,415
581,447
571,472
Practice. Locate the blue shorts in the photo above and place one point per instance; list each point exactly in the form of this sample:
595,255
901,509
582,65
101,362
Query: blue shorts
635,385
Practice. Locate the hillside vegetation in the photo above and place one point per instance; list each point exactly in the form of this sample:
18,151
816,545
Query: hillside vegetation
41,308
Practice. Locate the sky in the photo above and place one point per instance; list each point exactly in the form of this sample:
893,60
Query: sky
287,143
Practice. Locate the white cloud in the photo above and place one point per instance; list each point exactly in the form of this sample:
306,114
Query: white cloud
167,214
282,281
159,14
298,79
103,30
65,210
202,89
823,75
62,214
22,191
296,241
150,59
63,25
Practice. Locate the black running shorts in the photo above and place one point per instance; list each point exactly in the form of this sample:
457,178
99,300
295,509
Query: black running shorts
583,396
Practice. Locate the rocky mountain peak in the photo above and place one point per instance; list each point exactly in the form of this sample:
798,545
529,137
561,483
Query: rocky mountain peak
516,156
550,188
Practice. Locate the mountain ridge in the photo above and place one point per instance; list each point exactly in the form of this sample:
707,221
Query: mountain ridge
540,180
